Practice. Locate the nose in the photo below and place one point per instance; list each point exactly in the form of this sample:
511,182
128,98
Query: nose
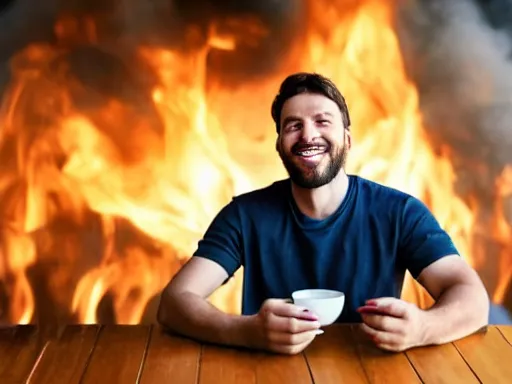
309,131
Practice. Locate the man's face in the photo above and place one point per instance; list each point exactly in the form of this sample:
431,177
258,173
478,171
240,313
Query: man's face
312,143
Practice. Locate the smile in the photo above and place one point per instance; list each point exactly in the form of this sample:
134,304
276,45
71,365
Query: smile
311,151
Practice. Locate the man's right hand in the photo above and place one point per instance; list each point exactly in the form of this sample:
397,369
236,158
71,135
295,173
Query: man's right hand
283,327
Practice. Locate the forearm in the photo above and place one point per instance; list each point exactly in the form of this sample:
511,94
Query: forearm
459,311
193,316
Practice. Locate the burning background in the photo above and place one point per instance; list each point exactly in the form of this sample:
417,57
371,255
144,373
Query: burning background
125,125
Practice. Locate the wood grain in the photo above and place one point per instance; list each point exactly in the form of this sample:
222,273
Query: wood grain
441,364
64,359
143,354
19,350
489,356
118,356
282,369
333,358
506,331
227,365
170,359
382,366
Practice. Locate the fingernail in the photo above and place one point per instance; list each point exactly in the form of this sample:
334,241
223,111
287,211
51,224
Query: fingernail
319,332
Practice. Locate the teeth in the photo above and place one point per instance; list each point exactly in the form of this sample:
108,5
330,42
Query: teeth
311,152
314,148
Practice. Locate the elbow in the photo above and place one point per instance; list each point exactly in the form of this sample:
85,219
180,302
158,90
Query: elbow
482,306
160,314
160,317
482,316
164,308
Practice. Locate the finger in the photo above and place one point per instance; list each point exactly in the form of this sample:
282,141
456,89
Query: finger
284,338
290,324
390,306
381,337
390,347
292,349
368,331
282,308
384,323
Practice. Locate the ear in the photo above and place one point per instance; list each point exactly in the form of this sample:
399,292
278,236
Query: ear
348,139
277,143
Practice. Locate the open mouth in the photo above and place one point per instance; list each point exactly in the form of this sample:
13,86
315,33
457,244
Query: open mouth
311,151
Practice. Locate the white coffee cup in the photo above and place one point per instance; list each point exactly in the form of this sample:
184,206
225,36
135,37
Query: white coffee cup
325,303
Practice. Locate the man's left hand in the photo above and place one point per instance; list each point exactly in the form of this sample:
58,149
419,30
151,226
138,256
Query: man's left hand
393,324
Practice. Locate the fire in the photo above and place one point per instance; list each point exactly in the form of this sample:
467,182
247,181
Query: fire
110,193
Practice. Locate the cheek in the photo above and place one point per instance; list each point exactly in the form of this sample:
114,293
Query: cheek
335,141
285,145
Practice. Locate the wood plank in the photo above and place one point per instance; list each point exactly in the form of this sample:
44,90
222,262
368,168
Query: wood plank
229,365
170,359
333,358
19,351
279,369
506,331
118,355
488,355
382,366
65,358
441,364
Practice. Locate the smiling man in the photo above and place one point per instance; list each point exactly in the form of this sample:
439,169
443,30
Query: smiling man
322,228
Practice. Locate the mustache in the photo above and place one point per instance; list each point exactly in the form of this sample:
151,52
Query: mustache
305,146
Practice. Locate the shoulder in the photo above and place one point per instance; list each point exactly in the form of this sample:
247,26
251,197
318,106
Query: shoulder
267,195
387,199
375,192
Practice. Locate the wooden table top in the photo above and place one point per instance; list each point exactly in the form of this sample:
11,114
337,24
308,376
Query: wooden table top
145,354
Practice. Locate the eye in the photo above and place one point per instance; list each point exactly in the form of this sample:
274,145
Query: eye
293,126
323,122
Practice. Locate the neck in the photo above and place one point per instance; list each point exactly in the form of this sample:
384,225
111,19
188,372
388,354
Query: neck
319,203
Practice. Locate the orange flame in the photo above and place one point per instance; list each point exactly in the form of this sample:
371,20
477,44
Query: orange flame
143,178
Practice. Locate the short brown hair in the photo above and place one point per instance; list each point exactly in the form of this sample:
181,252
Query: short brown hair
304,82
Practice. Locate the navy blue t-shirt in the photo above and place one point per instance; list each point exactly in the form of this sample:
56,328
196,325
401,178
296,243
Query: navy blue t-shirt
362,249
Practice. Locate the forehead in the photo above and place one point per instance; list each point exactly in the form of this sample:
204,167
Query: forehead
309,104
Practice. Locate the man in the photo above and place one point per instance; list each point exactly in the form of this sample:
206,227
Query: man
322,228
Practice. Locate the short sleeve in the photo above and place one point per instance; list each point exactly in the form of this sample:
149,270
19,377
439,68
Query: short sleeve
222,241
422,240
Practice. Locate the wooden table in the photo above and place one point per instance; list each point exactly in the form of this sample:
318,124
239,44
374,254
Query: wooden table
145,354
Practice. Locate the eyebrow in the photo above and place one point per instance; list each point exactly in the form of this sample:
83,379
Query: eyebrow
324,114
292,119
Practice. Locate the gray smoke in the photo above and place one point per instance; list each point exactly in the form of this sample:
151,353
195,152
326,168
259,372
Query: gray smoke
462,67
498,13
458,53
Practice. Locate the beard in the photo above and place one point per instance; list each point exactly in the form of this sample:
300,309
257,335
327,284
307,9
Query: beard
313,177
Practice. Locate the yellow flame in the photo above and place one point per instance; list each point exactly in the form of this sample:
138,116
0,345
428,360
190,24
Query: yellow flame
215,142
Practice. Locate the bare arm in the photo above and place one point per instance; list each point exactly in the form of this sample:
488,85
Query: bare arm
462,304
184,307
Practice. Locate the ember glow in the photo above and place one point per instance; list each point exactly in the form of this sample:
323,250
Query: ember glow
104,196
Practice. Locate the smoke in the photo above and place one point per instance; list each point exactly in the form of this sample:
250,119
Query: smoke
498,13
462,68
459,55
